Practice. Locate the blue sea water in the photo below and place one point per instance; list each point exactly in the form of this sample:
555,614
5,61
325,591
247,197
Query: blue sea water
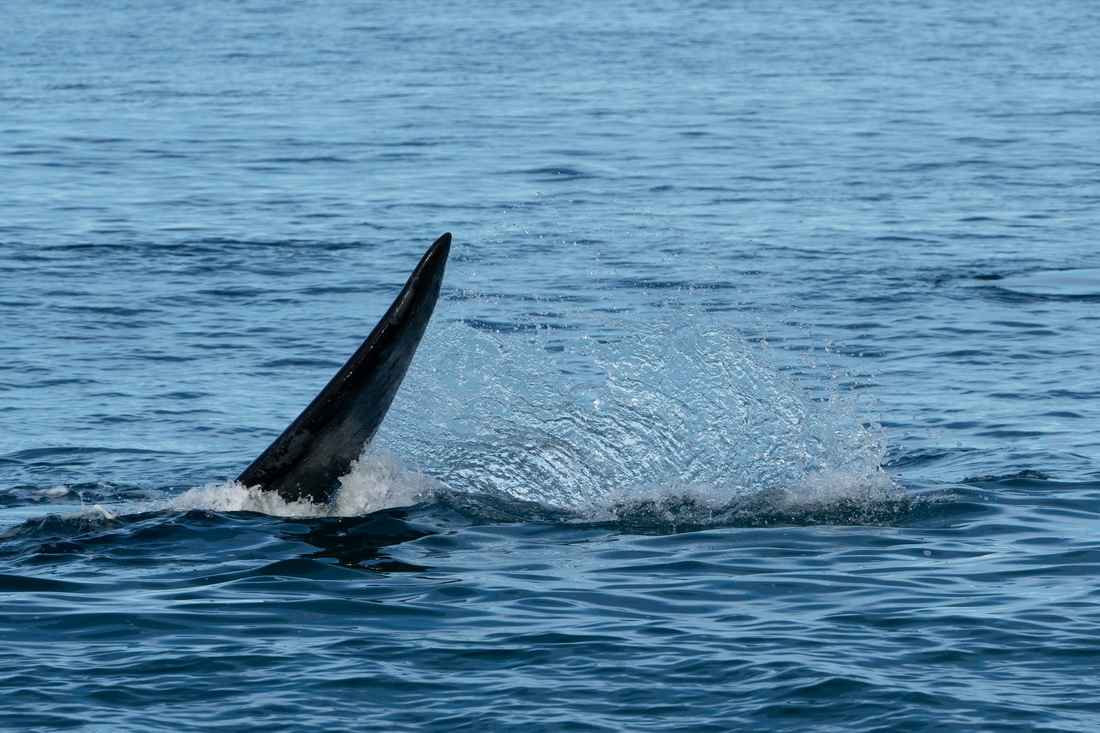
762,393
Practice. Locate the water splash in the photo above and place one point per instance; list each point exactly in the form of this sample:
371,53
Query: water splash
678,421
678,411
378,480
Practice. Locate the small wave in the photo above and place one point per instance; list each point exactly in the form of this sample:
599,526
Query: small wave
89,519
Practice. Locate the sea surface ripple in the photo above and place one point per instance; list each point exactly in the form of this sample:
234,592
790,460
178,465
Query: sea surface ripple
761,395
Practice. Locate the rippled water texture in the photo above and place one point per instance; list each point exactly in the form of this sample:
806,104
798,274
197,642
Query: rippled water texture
761,395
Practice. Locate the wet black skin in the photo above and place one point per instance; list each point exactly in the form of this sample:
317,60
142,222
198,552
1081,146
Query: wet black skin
307,460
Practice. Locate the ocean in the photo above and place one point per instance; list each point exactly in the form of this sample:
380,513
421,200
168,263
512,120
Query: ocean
761,394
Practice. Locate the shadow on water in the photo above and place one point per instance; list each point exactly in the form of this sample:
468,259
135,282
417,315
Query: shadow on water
197,536
359,542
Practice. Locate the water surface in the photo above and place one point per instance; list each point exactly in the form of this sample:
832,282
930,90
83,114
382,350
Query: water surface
761,394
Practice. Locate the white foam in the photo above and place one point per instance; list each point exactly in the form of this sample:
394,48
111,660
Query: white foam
378,480
105,513
54,493
833,487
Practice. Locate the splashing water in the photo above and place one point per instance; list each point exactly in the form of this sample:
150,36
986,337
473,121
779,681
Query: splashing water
378,480
677,420
679,411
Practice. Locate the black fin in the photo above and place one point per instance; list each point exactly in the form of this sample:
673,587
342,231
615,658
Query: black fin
307,460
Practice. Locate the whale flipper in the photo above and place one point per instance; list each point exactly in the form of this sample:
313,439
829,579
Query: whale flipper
307,460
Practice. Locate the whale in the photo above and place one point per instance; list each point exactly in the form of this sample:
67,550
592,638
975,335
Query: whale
306,461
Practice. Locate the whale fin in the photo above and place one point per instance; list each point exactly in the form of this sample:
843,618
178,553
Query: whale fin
307,460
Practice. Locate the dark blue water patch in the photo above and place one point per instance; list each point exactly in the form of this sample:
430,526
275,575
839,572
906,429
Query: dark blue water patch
1008,295
1024,475
326,364
361,543
23,584
556,174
